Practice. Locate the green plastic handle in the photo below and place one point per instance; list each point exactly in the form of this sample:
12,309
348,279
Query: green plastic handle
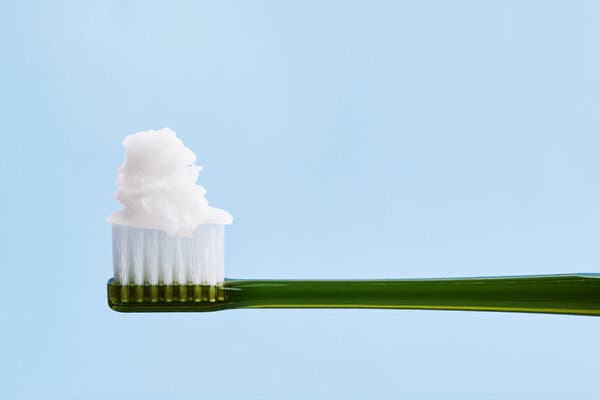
577,294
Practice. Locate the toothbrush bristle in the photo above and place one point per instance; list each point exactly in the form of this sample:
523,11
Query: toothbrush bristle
150,257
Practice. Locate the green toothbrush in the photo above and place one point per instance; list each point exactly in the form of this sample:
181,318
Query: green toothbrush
168,255
577,294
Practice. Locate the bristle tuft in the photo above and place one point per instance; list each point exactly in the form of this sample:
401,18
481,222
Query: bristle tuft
150,256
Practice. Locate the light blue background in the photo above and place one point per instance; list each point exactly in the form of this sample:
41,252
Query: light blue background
348,139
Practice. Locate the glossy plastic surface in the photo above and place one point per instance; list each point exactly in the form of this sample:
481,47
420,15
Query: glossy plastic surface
558,294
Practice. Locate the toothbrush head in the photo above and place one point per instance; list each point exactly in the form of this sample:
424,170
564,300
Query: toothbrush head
161,297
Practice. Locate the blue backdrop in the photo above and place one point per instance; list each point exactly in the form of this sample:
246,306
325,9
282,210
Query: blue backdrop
349,139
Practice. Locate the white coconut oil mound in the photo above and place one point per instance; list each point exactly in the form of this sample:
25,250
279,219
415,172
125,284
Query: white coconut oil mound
157,185
167,233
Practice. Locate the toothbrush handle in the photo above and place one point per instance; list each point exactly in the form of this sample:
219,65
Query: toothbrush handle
557,294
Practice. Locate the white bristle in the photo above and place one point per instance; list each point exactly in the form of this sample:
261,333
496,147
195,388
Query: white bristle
150,256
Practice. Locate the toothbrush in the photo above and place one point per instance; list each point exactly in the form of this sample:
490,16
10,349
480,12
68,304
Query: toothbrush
577,294
168,247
